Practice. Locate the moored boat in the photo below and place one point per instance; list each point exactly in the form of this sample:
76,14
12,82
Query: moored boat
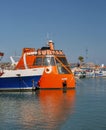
14,79
57,73
101,72
44,68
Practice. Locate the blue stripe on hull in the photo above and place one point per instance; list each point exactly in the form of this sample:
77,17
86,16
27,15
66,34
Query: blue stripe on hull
19,82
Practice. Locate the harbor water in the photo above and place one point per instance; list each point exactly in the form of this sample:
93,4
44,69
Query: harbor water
81,109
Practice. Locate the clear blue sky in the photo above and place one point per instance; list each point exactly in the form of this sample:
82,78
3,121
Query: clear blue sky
73,25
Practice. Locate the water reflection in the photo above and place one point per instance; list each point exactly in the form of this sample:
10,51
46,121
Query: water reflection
45,109
52,109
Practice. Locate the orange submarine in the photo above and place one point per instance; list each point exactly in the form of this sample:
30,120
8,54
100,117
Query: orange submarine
57,73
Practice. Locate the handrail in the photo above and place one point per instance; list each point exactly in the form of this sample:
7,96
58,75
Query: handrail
63,65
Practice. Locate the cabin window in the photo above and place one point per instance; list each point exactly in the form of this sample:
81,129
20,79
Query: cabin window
62,68
48,61
44,61
38,61
63,60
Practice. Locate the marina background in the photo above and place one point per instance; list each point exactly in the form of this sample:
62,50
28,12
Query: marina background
79,109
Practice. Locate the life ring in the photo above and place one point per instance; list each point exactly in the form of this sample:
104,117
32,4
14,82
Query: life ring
48,70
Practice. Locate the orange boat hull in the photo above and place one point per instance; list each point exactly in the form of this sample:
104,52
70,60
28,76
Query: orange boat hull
57,81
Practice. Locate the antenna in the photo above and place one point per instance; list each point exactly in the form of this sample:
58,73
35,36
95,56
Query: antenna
86,55
47,37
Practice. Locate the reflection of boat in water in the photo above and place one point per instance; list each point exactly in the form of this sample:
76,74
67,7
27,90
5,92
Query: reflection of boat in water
57,73
44,109
57,105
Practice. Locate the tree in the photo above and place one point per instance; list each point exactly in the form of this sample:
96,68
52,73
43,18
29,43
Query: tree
81,59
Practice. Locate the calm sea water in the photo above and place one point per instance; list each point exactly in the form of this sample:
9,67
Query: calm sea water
80,109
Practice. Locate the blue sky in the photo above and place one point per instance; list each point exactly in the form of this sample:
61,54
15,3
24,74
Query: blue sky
73,25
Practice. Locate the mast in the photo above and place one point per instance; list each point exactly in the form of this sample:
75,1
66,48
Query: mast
86,55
